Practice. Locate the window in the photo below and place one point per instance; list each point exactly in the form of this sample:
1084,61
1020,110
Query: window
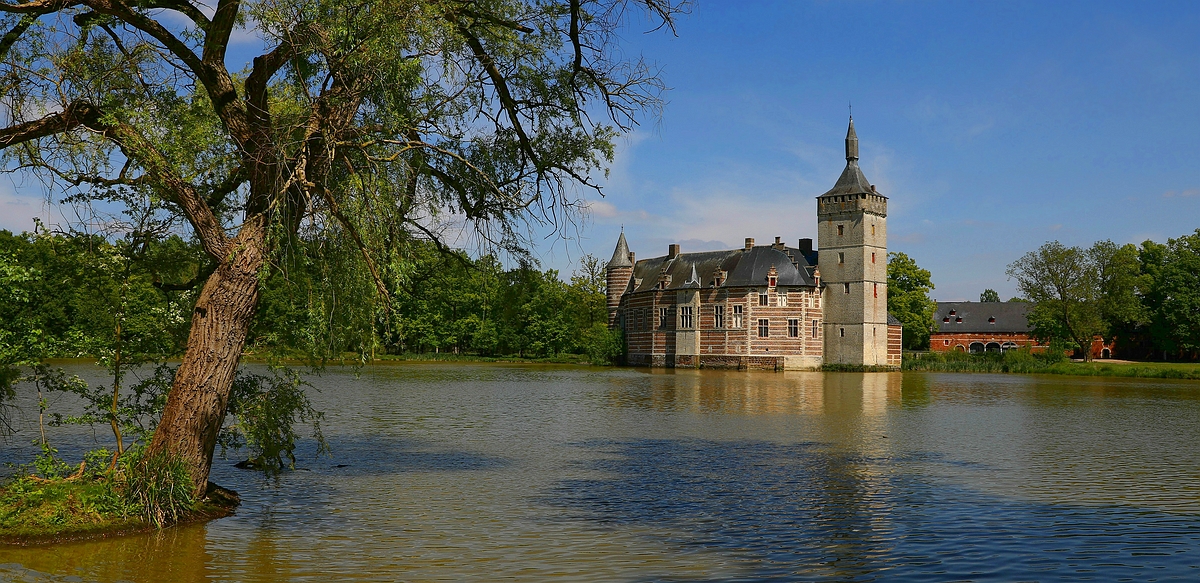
872,229
762,298
841,258
793,328
876,288
781,294
946,342
842,332
814,331
685,317
737,316
872,255
840,231
764,328
662,317
847,288
718,316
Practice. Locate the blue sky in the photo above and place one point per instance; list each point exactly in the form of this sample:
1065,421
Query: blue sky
992,127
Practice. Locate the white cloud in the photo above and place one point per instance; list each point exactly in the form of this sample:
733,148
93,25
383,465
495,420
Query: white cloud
17,211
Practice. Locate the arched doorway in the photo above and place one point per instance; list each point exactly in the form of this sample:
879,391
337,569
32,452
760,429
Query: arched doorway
993,347
977,347
1105,353
960,348
1008,346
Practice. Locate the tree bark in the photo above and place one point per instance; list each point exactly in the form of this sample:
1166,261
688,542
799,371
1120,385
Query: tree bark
221,320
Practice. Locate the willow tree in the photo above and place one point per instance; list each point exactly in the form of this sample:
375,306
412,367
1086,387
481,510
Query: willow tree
373,119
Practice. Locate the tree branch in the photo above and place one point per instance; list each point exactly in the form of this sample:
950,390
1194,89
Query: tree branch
82,114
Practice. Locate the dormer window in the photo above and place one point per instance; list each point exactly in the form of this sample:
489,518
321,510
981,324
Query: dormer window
946,320
958,320
952,312
771,281
992,320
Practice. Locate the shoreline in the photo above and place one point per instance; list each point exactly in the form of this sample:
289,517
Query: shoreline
970,363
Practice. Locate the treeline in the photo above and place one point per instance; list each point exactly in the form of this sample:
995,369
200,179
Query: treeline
1146,298
74,295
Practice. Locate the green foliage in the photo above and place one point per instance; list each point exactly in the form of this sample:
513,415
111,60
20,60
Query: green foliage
267,410
1052,361
1171,284
989,295
31,507
1018,361
908,299
157,485
137,410
1064,284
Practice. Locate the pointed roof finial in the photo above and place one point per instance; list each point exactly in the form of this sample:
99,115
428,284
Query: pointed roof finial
851,142
620,256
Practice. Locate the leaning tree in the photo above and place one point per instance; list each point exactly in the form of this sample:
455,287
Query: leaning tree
248,122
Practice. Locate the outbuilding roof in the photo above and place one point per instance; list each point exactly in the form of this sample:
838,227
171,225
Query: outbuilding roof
981,317
743,268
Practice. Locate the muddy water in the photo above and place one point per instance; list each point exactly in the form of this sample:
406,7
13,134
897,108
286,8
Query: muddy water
479,472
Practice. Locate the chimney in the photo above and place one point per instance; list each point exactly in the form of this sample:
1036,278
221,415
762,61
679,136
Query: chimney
806,246
778,243
749,243
673,251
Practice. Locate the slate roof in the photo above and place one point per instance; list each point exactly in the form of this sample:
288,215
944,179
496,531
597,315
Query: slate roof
892,321
620,256
744,269
1009,317
852,181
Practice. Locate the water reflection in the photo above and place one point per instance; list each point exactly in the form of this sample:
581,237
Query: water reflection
760,393
446,472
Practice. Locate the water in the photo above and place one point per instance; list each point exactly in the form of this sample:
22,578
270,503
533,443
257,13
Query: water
484,472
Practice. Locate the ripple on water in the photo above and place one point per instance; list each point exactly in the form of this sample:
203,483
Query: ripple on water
446,472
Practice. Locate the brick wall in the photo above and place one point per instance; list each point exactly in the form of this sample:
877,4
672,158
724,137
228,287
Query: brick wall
895,345
945,342
644,337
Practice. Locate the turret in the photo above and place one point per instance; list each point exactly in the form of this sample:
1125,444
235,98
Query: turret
618,272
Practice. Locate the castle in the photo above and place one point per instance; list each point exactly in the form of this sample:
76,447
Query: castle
767,306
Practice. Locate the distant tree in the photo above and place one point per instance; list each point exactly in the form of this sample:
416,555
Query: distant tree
1172,292
989,295
1063,284
908,299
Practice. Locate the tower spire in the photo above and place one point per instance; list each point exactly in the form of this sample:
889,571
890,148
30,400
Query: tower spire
851,142
620,256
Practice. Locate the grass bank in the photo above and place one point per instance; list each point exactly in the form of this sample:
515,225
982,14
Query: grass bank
1023,362
356,359
50,502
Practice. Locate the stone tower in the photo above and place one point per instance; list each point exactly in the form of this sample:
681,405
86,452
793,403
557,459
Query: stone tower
852,244
618,272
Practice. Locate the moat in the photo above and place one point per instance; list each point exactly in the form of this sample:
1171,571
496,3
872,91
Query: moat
486,472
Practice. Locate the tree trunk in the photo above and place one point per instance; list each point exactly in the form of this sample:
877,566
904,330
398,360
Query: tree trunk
221,320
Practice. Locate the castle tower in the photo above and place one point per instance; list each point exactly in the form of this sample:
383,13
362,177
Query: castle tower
618,272
852,245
